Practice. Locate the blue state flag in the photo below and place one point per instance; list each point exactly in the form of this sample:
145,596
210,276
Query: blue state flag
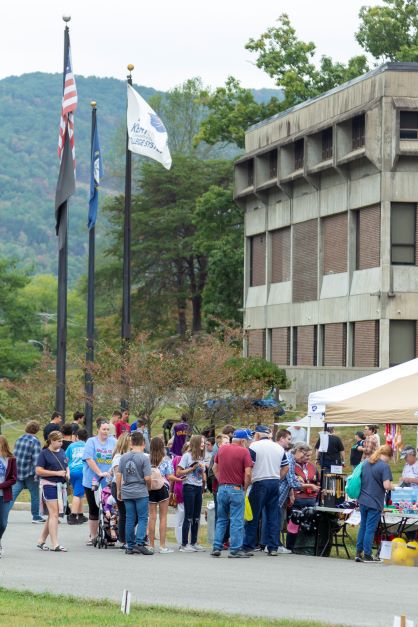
96,173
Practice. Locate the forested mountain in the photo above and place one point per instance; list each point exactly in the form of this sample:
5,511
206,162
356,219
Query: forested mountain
29,118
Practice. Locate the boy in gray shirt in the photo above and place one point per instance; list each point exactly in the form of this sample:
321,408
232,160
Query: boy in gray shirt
133,482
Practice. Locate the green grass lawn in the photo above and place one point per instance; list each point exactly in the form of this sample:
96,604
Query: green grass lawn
25,608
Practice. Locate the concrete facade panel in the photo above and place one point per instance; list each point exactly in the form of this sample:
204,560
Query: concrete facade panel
365,191
256,296
405,278
255,318
305,208
404,187
365,281
255,221
280,293
279,215
334,285
333,200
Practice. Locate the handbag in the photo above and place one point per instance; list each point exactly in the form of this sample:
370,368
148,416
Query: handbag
248,512
172,500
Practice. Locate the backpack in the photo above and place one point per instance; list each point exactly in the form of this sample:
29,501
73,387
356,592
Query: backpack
157,480
353,487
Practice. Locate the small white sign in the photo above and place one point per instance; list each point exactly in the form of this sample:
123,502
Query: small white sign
336,470
125,606
385,550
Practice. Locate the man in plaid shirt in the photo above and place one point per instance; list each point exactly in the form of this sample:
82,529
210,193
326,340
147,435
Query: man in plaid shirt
27,449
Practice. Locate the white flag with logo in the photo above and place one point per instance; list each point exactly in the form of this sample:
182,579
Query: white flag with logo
146,132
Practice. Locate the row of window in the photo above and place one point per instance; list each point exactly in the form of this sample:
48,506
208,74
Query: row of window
408,130
302,240
299,346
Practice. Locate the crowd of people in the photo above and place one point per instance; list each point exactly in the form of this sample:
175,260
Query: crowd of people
257,477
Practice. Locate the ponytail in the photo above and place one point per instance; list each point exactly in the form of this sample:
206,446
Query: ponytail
382,450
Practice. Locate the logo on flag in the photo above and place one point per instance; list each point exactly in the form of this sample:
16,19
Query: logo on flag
147,134
96,173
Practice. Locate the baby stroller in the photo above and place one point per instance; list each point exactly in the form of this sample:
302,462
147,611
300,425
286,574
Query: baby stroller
107,533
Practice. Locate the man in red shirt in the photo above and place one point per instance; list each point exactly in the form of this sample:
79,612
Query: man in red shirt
122,425
232,469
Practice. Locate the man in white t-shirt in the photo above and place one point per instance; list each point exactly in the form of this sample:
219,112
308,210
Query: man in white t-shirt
298,434
410,470
270,465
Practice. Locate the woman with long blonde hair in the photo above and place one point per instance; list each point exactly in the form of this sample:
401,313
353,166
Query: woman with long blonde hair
123,445
8,477
192,468
52,468
376,479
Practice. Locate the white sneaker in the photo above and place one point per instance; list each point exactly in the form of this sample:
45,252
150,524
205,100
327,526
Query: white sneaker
282,549
187,549
198,547
165,549
266,550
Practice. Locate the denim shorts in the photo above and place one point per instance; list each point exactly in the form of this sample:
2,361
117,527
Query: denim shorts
157,496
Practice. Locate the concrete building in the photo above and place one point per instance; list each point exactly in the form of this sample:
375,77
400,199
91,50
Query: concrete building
330,191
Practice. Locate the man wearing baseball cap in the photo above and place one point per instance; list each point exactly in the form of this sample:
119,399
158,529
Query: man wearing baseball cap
410,470
270,465
232,469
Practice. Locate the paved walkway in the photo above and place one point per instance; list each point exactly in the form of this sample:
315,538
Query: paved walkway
292,586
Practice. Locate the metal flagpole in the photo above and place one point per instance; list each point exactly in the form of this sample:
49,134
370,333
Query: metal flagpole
60,375
126,299
88,411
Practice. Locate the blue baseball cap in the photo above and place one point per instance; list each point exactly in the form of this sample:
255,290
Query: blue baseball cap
262,429
242,434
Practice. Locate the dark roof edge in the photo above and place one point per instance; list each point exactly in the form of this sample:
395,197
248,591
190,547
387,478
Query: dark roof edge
393,67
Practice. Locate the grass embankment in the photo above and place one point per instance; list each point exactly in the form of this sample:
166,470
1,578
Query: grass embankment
25,608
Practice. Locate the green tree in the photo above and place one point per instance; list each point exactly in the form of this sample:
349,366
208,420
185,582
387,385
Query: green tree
389,32
219,236
290,62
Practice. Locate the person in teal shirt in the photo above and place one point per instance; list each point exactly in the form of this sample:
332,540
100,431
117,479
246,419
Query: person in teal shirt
74,454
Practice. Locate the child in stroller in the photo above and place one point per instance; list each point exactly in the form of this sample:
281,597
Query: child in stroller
108,519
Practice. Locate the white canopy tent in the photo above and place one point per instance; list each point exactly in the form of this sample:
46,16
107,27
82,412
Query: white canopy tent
388,396
310,422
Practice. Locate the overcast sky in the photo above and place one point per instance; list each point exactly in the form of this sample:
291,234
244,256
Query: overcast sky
167,41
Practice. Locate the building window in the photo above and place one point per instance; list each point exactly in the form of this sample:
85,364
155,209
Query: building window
257,260
408,125
402,341
365,344
358,131
299,150
295,346
273,164
257,343
250,173
368,238
280,346
280,255
327,144
402,233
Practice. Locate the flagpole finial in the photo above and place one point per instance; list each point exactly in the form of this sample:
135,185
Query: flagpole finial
93,104
66,18
130,67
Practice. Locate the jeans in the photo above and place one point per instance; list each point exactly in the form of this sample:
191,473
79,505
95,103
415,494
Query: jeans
28,483
230,511
136,508
215,500
369,520
4,515
192,496
264,526
264,494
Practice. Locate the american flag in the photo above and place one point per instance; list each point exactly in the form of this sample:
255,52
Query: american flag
69,105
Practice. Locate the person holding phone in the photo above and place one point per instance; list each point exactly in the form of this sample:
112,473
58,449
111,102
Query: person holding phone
192,468
52,468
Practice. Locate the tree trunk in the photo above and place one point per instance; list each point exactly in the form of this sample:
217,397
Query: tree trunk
197,268
181,301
